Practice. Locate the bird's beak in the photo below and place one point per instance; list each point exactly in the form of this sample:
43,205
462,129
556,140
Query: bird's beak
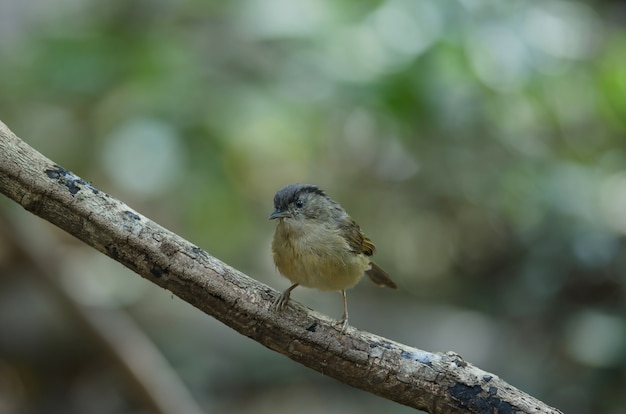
278,214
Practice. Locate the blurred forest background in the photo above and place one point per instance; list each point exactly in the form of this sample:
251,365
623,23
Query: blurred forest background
481,144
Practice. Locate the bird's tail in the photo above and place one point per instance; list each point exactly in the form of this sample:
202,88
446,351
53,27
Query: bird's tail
380,277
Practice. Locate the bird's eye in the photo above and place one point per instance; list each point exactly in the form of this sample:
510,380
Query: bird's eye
299,203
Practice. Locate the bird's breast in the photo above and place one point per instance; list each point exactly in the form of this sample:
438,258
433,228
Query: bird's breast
314,255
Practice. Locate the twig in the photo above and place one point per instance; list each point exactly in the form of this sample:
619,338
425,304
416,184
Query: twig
434,382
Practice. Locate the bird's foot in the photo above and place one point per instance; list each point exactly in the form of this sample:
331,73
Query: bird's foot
342,324
281,301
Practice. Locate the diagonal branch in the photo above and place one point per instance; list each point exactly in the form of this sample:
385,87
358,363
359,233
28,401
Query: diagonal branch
434,382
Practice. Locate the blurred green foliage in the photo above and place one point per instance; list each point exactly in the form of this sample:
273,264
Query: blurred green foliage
481,144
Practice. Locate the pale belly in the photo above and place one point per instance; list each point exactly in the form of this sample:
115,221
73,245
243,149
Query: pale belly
318,260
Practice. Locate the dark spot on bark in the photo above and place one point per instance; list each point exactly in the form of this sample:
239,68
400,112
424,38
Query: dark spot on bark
69,179
54,174
199,251
382,344
459,362
487,378
476,400
158,271
218,297
313,327
268,294
422,357
132,215
112,251
72,187
464,392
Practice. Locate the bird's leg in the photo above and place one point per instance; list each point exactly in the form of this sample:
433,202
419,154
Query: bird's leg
343,323
282,300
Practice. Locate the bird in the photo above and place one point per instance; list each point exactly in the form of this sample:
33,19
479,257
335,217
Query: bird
318,245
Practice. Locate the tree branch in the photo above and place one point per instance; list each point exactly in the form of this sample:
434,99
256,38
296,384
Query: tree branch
434,382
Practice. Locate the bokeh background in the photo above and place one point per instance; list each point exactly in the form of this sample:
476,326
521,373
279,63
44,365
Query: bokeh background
481,144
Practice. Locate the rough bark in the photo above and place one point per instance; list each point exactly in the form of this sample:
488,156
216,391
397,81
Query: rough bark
433,382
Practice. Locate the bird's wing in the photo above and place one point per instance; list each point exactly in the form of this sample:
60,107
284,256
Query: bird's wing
358,242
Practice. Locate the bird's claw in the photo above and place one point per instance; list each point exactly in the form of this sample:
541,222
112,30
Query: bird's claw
280,302
341,324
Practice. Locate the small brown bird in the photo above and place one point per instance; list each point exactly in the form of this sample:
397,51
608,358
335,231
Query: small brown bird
317,244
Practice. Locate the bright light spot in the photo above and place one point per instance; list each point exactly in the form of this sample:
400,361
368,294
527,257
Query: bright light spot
387,41
357,54
408,27
595,249
571,189
284,18
613,201
144,157
499,57
563,29
519,125
596,339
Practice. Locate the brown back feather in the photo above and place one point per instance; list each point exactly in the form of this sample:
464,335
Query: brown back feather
358,242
